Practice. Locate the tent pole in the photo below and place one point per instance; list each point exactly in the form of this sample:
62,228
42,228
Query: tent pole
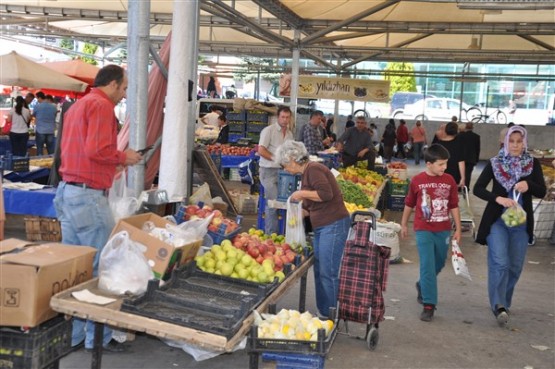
138,36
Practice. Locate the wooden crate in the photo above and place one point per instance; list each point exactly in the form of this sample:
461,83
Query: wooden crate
43,229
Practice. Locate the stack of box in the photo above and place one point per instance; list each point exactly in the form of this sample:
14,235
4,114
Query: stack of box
287,184
256,121
236,122
544,217
397,191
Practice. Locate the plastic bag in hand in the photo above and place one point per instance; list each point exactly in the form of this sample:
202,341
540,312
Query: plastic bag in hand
294,228
458,261
123,267
121,203
515,215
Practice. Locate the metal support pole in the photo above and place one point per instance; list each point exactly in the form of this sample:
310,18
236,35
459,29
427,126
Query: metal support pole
137,45
295,59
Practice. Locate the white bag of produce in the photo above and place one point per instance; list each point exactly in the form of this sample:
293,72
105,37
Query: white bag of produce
123,268
387,234
294,227
121,204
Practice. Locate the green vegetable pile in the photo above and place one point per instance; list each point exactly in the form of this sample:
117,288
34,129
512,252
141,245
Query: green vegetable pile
353,194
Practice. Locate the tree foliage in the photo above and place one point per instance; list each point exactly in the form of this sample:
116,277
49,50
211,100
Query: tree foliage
253,67
91,50
67,44
400,76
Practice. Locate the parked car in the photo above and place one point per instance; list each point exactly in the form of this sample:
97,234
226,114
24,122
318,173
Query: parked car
551,110
441,109
400,99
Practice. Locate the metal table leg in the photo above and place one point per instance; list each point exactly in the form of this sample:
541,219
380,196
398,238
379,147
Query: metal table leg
302,292
96,362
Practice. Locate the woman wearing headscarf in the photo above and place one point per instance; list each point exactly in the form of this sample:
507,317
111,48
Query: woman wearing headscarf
516,177
330,220
20,116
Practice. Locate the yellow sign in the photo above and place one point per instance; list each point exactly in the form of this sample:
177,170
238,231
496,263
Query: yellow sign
318,87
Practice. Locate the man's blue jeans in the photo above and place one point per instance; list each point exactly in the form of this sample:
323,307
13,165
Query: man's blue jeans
432,251
269,179
507,248
329,242
86,220
48,139
417,151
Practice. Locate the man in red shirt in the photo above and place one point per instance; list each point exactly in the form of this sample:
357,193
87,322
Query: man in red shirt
89,161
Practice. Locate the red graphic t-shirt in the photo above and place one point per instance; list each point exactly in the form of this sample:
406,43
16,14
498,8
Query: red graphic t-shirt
432,197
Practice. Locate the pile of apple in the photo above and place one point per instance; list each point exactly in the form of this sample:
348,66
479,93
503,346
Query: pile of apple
229,261
229,150
262,247
196,212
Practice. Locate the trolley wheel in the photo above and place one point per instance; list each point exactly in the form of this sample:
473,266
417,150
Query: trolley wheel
372,338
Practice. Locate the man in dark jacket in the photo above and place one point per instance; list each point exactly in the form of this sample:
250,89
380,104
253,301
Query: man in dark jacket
471,144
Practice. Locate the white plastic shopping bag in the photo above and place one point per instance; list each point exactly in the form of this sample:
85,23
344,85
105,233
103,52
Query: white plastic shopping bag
294,228
123,267
121,203
458,261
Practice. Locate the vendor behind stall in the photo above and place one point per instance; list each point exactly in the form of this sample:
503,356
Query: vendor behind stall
223,136
356,145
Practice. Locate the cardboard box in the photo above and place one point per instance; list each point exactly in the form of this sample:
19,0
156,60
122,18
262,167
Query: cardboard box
31,274
162,257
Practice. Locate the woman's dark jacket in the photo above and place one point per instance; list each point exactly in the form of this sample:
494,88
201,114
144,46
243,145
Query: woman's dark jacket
536,187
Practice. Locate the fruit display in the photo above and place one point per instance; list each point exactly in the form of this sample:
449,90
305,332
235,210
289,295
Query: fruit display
292,325
354,194
261,247
397,165
229,150
41,162
192,212
514,216
362,176
351,208
230,261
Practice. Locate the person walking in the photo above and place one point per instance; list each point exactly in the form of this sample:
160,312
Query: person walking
20,116
433,193
45,124
388,141
453,144
418,138
356,145
271,138
89,161
402,139
516,176
330,220
471,145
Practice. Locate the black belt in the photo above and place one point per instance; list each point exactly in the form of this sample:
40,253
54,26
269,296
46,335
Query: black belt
86,186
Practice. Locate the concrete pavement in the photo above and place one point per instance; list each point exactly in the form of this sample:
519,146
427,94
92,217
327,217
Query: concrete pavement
463,334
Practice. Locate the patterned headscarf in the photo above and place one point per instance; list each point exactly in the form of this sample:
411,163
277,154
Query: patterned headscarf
507,169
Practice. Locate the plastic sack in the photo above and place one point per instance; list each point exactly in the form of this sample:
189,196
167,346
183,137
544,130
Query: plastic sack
294,227
387,234
121,204
202,194
123,268
191,230
514,215
245,172
201,353
458,261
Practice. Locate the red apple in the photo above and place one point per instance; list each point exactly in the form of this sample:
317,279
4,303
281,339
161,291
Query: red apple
217,214
213,228
259,259
191,209
285,246
262,248
272,248
253,251
268,255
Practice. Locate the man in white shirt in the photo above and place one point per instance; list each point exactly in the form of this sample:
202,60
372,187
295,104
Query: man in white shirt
211,118
271,138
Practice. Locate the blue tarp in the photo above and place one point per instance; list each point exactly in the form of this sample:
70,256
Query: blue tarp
38,203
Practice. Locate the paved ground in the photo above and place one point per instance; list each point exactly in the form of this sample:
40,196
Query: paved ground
463,334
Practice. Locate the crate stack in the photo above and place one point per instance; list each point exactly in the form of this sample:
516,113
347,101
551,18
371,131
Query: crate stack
396,193
236,119
257,120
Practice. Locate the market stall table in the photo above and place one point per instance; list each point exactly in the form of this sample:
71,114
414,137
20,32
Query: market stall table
30,176
35,202
112,315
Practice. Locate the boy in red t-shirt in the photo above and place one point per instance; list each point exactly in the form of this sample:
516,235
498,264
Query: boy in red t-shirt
434,194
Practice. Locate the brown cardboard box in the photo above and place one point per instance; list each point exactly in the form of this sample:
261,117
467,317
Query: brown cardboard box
161,256
31,274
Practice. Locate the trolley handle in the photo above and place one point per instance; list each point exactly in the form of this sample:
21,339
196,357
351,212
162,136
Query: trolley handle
465,189
364,214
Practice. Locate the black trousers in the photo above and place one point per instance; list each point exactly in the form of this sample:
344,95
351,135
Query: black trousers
468,167
349,160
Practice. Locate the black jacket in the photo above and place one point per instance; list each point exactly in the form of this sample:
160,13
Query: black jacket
471,143
536,187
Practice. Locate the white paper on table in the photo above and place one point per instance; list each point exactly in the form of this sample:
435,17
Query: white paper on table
334,172
87,296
